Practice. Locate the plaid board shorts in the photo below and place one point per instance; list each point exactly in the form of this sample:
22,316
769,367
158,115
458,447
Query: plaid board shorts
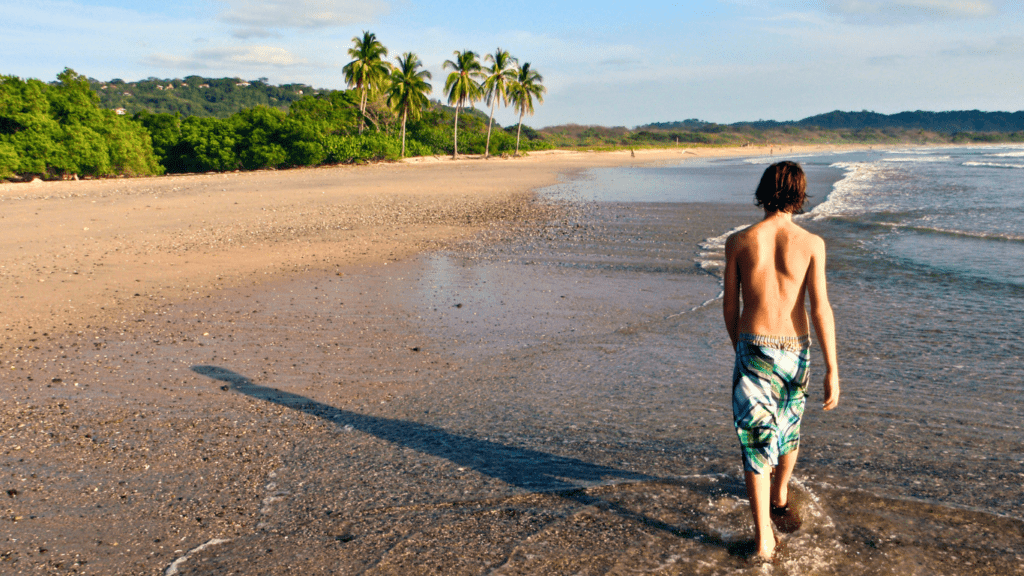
769,392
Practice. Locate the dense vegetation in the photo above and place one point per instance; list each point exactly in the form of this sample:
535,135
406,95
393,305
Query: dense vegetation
53,130
315,130
202,124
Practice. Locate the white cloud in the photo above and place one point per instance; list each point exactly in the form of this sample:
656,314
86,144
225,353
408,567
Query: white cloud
1001,48
807,18
229,58
247,33
302,14
899,11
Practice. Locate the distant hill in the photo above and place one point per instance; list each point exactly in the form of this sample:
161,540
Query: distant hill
472,111
691,124
197,96
941,122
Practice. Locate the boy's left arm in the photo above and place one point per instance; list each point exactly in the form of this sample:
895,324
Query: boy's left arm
824,323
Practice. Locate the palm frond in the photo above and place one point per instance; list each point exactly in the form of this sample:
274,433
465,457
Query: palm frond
462,85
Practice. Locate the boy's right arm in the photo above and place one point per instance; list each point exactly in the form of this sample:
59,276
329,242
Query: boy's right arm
824,323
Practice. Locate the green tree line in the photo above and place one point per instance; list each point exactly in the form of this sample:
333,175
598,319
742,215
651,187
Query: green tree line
60,129
52,130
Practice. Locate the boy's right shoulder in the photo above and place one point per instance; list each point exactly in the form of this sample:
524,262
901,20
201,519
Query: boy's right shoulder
809,236
817,243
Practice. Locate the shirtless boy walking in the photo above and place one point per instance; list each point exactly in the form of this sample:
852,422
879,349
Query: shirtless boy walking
774,266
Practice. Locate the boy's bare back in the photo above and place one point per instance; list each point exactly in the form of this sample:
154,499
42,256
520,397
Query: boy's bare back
773,261
772,267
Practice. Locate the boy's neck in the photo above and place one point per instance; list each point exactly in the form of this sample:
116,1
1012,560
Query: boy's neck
778,216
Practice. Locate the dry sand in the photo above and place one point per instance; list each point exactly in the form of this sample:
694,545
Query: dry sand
123,300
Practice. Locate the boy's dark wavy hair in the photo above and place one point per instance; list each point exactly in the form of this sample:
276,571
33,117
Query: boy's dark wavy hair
783,188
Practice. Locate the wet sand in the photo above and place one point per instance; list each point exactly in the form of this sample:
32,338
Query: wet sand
481,409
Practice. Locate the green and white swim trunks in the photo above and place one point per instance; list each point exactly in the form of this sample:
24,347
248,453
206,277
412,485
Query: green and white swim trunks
769,392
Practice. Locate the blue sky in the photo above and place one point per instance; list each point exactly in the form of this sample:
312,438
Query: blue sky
612,63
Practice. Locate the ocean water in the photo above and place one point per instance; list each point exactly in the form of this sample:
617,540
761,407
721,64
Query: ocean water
926,272
566,405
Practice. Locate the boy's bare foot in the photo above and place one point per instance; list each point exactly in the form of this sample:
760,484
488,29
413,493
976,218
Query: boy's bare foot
765,548
785,518
765,558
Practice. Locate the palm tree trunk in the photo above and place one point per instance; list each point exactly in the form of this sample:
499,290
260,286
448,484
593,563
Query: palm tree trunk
455,154
362,111
405,114
518,132
487,147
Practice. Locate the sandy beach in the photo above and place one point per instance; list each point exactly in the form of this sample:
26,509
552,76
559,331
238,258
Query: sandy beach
269,373
98,252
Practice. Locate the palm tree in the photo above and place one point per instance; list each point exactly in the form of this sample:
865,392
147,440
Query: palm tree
462,86
526,87
368,70
500,76
409,89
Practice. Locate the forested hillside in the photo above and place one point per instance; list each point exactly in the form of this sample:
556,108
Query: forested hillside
951,122
197,96
944,122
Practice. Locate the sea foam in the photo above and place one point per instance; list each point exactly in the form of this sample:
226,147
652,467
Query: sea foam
993,164
848,194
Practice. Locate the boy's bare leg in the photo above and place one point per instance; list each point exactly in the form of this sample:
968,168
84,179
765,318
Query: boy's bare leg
780,478
784,517
759,492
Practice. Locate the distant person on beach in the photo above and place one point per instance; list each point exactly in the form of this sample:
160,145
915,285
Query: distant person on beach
772,267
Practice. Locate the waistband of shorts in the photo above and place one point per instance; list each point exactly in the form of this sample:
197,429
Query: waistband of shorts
792,343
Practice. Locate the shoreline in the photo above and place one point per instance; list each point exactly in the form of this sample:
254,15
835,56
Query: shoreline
101,252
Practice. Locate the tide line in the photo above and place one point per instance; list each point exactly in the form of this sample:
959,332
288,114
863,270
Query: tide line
695,308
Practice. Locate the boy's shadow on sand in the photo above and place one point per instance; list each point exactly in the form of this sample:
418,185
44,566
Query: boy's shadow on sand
531,470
